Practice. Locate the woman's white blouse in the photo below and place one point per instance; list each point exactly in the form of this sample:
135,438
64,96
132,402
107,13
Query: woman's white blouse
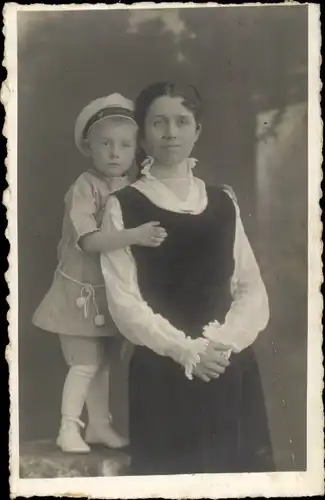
248,314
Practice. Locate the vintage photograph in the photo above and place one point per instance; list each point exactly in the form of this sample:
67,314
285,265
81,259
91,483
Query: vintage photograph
161,241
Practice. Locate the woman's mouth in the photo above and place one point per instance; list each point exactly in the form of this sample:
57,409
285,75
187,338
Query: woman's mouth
171,146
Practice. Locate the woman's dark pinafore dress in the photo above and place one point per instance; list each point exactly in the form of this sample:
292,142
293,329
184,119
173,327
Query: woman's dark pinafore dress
180,426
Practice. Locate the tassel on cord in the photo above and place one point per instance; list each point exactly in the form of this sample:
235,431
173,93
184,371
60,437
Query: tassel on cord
87,294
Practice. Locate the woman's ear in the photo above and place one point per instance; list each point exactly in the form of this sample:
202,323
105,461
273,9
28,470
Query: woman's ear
198,131
139,157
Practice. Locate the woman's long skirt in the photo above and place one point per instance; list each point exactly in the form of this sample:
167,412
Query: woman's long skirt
181,426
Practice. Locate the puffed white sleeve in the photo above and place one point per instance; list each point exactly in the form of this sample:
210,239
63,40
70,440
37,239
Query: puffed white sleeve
81,208
132,315
249,311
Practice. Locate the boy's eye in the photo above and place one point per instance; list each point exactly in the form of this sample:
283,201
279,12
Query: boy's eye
127,145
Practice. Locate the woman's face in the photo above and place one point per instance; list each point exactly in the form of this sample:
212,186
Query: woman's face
170,131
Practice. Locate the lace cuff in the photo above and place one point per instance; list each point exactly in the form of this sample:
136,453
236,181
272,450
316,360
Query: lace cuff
191,355
209,331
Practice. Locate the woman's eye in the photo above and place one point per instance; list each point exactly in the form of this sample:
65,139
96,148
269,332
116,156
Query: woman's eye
182,121
157,123
126,145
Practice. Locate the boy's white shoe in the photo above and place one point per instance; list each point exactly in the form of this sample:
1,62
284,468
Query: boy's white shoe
69,438
105,434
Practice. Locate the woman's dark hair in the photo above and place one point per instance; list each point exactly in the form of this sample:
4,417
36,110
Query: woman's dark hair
191,100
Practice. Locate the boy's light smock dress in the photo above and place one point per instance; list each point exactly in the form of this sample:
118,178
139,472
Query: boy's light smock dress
76,303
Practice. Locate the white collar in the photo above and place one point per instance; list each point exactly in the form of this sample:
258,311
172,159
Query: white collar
159,194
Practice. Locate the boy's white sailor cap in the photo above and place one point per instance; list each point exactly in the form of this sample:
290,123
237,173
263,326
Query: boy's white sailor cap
97,110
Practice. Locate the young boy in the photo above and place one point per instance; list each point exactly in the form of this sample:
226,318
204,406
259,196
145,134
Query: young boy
75,307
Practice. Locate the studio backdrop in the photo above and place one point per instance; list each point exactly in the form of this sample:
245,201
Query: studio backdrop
250,65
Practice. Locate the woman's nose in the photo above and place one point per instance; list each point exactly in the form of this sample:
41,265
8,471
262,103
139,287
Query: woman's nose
171,130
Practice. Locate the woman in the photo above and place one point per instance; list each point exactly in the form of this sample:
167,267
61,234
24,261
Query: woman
197,301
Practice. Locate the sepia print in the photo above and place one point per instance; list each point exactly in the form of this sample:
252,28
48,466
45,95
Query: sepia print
164,168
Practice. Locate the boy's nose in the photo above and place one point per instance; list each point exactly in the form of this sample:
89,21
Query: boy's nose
114,152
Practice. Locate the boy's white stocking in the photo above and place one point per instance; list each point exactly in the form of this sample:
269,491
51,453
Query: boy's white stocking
97,400
99,429
75,391
76,388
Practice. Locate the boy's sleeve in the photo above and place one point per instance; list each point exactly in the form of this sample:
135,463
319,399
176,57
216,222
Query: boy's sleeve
81,207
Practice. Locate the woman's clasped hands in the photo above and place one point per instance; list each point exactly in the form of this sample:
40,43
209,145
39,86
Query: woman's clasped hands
213,362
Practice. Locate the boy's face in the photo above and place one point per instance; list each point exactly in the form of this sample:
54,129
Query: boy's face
112,146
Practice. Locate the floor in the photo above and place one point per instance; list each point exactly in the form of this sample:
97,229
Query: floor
43,459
